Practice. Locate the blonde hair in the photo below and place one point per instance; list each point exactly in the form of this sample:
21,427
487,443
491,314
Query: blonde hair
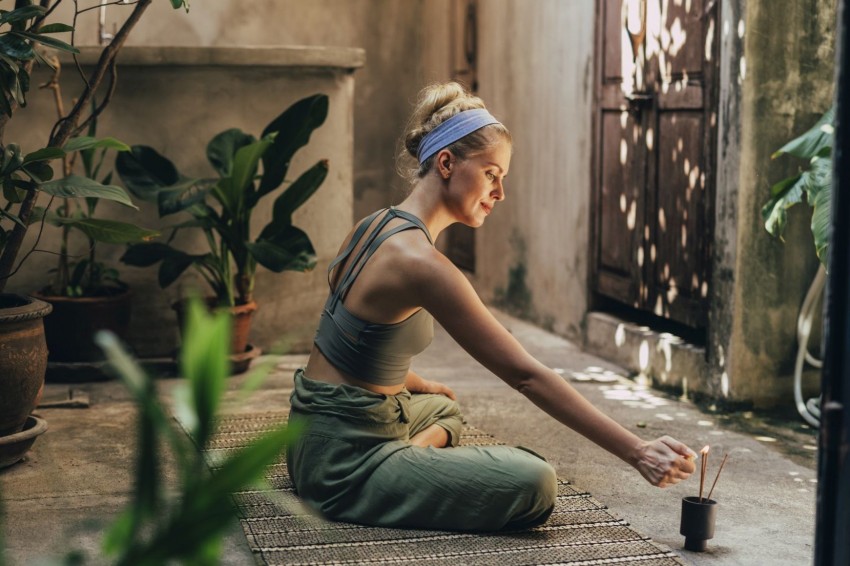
437,103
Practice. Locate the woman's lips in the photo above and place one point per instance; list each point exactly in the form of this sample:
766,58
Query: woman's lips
487,208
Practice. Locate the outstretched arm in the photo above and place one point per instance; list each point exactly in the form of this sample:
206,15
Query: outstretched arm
447,295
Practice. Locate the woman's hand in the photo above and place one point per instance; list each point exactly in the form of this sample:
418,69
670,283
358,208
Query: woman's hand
665,461
427,386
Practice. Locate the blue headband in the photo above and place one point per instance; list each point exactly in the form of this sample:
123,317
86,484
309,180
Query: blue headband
460,125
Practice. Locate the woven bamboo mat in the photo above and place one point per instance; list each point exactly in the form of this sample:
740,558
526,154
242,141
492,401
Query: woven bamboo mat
282,531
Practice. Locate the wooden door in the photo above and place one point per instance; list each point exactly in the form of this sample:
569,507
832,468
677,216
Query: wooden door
654,155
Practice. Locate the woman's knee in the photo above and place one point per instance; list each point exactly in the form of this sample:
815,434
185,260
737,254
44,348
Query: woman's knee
539,486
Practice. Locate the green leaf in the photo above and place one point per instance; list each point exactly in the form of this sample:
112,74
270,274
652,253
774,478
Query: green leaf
11,192
234,188
40,171
223,147
182,196
9,62
16,47
144,171
174,265
786,193
120,534
145,255
294,127
294,196
812,142
47,40
22,14
55,28
152,419
74,186
205,363
822,223
87,142
44,154
110,231
291,250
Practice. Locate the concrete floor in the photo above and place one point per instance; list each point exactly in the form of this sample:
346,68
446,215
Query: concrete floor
78,475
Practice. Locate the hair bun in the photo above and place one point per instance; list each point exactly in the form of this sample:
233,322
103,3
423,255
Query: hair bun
435,104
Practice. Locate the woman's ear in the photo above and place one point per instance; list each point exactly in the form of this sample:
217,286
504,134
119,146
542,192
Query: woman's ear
445,160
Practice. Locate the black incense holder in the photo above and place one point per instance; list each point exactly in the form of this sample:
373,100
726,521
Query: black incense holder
697,522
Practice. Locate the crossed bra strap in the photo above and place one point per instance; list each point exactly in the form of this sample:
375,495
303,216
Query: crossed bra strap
372,243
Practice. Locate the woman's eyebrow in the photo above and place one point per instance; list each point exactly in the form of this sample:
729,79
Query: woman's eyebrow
496,165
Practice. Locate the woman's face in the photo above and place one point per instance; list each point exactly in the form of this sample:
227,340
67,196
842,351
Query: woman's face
475,184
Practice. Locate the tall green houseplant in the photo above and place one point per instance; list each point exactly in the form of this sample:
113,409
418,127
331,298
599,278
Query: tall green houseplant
221,208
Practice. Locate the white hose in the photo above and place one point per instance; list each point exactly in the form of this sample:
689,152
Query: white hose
809,410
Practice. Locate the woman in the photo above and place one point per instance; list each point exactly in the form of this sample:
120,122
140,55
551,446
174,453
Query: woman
379,445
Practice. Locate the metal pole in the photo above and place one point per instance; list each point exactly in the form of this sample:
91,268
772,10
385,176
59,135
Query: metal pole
832,531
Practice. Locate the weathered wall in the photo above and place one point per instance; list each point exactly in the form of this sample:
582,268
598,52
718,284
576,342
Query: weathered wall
786,77
406,48
177,109
536,74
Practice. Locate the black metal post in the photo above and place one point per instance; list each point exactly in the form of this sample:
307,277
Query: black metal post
832,533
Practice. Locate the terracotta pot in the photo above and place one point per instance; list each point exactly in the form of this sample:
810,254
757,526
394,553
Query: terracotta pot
697,524
14,446
23,358
242,315
71,327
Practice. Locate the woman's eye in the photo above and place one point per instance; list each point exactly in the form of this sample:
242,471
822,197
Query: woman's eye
491,176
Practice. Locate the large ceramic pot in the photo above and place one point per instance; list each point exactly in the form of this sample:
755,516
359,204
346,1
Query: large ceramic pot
71,327
23,358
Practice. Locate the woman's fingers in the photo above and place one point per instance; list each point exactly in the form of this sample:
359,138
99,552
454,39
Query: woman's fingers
666,462
678,447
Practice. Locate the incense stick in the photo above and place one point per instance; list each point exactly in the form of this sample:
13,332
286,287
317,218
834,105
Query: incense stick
717,476
702,469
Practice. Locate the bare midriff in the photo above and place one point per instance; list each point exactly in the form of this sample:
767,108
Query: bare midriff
320,369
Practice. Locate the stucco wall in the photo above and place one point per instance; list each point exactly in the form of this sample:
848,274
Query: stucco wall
536,74
785,79
406,44
177,109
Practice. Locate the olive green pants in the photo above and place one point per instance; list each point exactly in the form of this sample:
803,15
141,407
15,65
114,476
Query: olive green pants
354,462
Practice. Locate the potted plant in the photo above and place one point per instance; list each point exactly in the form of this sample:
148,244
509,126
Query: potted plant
26,175
815,184
222,207
86,294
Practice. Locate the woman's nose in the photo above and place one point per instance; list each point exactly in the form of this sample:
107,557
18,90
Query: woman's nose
499,192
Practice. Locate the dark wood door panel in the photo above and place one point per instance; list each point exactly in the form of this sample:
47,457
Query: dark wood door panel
681,36
611,52
680,220
654,154
620,207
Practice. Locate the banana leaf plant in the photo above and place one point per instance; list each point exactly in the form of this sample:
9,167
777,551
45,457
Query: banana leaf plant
221,207
815,183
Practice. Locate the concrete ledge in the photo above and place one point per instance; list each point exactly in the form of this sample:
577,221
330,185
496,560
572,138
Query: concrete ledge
669,361
349,58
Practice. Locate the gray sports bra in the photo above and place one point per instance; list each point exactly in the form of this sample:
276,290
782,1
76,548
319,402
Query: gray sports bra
375,353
